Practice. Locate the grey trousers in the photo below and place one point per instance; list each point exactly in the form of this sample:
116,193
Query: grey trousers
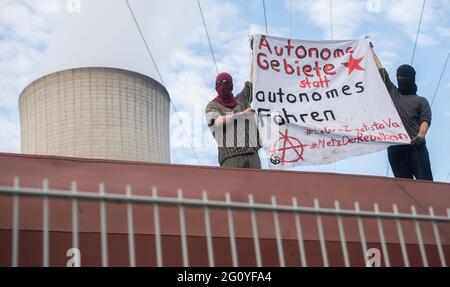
243,161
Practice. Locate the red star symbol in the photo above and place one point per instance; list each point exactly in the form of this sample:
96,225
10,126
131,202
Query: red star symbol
353,64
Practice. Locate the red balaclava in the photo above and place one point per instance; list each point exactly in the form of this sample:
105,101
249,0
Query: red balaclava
224,88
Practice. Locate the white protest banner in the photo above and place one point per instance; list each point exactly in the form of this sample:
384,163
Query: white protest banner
318,102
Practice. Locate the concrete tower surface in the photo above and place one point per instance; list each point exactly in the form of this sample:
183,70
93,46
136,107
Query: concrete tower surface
96,112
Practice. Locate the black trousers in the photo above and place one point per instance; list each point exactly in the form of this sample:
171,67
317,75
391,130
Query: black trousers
409,161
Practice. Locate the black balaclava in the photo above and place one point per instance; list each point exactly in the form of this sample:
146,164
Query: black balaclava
406,79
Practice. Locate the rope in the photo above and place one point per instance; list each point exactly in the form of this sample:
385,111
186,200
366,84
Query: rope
265,16
440,78
161,78
290,19
207,36
331,19
418,31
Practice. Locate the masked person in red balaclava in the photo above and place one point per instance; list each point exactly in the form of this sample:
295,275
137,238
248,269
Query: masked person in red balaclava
232,123
410,160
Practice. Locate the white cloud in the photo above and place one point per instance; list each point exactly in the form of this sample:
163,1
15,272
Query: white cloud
407,14
388,49
24,31
17,62
443,32
27,20
347,15
25,27
104,34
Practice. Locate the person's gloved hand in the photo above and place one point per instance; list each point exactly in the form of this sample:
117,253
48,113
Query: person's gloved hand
417,140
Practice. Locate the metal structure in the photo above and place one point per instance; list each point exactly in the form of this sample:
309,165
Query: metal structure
96,112
253,209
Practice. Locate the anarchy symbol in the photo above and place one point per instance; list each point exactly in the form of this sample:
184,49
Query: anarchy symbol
287,143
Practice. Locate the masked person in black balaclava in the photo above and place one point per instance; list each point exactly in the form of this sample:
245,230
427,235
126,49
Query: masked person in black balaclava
411,160
406,79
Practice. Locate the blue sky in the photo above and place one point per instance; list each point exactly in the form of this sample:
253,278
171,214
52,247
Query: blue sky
41,36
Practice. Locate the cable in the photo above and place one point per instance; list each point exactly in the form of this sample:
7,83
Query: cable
331,38
146,46
331,19
265,16
447,177
440,78
290,19
418,31
161,79
207,35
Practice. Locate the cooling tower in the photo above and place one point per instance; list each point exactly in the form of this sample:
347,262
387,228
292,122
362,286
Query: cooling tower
104,113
